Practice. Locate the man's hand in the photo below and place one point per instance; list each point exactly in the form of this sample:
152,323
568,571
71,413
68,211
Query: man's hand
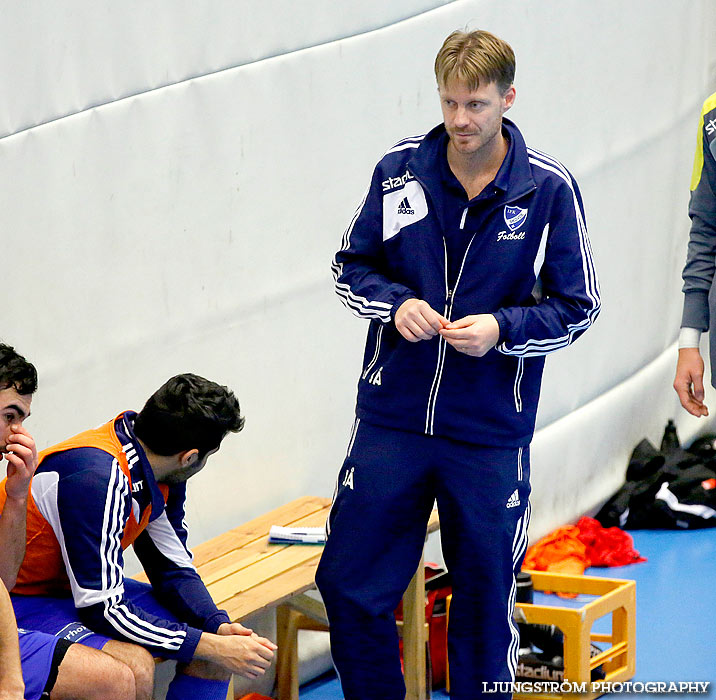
234,628
22,462
246,655
474,335
416,320
689,382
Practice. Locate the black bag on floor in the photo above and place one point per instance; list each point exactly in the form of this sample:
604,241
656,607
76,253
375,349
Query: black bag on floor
670,488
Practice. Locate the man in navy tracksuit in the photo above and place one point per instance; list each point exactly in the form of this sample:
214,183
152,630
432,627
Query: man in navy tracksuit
469,255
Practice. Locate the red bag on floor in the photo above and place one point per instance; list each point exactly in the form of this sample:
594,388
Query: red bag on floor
438,587
607,546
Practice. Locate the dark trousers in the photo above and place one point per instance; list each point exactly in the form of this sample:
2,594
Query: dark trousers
386,490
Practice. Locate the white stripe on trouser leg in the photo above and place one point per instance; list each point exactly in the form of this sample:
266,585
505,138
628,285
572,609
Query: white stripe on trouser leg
356,423
519,544
519,464
351,440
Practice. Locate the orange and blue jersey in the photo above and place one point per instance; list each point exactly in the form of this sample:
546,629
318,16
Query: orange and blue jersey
91,497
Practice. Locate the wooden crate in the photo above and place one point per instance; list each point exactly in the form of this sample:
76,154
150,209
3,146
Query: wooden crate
613,596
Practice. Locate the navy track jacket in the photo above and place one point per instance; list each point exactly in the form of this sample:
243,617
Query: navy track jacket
528,262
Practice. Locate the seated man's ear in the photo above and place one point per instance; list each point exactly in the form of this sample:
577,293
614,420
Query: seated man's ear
188,458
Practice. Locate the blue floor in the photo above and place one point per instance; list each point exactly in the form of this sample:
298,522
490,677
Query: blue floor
676,612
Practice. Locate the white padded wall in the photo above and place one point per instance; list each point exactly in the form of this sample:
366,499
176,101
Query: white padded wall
176,178
61,58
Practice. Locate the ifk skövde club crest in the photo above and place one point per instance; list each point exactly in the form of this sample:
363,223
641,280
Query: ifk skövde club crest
515,217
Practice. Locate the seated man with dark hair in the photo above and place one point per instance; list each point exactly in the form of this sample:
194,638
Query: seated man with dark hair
120,484
46,665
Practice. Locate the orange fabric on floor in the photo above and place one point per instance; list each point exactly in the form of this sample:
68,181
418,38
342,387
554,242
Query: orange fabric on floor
573,548
560,552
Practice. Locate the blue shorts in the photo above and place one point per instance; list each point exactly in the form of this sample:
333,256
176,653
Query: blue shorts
57,617
37,651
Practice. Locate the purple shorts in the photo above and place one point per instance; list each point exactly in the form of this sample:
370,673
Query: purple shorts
36,652
58,617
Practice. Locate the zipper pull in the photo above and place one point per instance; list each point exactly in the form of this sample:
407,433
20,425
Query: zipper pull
448,299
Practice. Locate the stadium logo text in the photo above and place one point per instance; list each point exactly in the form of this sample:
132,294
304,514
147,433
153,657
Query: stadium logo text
393,182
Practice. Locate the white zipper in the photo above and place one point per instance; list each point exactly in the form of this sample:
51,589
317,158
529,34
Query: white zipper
371,364
442,346
441,349
518,384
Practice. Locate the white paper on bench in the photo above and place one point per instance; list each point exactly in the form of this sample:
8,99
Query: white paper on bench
305,535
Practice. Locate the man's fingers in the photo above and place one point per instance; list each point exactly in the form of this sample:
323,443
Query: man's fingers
17,446
266,652
696,409
263,663
14,460
266,642
408,334
421,333
454,334
461,323
424,321
459,345
20,456
22,439
257,663
689,401
437,321
24,453
682,389
698,387
17,468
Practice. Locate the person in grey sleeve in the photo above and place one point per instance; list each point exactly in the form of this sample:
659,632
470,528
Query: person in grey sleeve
699,301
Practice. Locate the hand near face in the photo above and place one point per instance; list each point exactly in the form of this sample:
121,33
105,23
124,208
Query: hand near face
473,335
21,456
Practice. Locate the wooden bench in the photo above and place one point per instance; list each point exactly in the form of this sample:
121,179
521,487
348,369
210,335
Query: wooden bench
246,575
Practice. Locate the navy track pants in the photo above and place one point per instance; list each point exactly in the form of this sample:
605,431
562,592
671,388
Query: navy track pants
385,492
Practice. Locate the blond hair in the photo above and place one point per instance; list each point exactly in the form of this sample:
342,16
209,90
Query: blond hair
474,58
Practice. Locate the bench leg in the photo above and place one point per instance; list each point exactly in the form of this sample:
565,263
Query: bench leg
301,613
414,636
287,659
289,621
